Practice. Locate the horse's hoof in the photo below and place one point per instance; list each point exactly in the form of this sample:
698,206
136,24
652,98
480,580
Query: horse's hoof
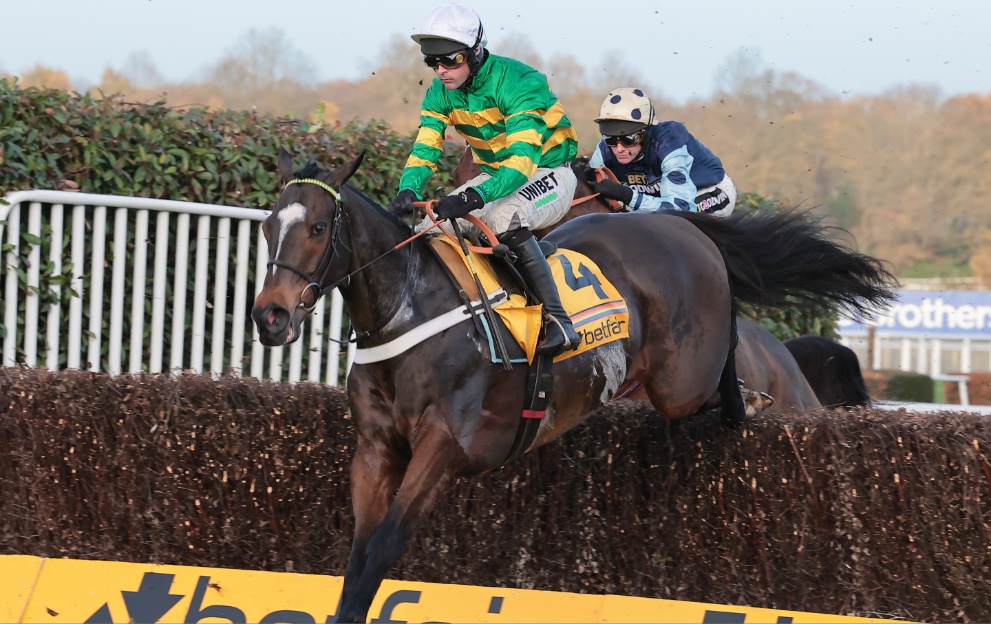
756,402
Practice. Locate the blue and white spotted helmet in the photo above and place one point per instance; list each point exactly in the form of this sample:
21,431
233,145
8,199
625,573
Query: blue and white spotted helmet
624,111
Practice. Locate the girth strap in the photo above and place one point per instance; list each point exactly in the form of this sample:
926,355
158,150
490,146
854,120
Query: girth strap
539,387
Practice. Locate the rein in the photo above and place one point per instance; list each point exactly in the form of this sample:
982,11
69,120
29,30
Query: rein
314,280
602,173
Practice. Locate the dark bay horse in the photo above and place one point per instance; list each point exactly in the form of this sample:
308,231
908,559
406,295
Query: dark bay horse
765,365
438,408
832,369
762,361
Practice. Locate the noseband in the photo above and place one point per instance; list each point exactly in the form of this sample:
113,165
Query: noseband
313,281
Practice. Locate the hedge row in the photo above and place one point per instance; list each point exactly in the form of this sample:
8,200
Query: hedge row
52,139
867,513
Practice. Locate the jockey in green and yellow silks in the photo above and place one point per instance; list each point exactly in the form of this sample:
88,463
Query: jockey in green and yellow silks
520,137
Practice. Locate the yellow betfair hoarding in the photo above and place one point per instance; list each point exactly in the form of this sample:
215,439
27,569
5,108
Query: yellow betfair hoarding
18,576
66,590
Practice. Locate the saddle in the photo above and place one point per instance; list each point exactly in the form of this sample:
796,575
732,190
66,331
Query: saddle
595,306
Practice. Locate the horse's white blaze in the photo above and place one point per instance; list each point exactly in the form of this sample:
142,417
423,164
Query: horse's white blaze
288,217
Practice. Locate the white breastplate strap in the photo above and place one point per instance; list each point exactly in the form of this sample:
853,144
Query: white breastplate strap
420,333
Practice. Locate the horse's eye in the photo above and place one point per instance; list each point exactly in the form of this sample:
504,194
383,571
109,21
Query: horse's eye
318,229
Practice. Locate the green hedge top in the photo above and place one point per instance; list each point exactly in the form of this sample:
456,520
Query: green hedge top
54,139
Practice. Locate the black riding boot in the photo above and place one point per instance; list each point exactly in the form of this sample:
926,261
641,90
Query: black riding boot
530,262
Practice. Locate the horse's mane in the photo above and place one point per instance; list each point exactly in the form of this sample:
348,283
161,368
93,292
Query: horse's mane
313,170
310,170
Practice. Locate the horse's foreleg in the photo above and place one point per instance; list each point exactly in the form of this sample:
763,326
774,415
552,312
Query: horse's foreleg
374,480
436,457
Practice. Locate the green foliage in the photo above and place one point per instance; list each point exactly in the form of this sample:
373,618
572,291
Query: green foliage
910,387
107,146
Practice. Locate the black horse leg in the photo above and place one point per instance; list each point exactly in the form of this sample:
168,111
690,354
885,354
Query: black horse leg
429,473
732,411
374,478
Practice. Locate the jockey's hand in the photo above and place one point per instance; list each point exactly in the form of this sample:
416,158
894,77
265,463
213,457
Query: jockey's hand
455,206
613,190
402,205
583,171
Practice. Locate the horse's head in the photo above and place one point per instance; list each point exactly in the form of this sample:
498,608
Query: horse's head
305,253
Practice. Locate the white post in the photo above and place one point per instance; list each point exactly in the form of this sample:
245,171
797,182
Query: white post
179,281
243,261
138,292
334,348
920,361
936,358
117,283
73,355
158,293
32,300
906,355
966,356
261,265
96,286
10,286
56,220
199,293
219,311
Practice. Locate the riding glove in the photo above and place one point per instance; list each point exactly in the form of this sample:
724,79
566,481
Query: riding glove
613,190
456,206
402,205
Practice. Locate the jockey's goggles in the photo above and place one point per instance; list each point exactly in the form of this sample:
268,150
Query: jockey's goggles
628,140
450,61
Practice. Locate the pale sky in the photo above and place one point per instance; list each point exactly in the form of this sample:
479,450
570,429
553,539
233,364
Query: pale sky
848,47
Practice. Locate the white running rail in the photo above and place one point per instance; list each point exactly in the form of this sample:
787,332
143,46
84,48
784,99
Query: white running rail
195,319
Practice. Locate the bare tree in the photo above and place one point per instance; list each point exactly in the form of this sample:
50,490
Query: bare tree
140,70
266,72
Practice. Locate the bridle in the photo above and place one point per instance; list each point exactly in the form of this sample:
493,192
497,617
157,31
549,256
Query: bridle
323,267
341,219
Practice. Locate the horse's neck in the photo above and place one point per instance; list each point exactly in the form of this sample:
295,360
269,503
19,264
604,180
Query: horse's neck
379,295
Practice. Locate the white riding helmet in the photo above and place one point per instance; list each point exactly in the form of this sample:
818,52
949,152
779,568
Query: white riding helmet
450,28
624,111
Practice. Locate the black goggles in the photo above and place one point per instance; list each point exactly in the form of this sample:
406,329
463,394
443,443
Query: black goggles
628,140
450,61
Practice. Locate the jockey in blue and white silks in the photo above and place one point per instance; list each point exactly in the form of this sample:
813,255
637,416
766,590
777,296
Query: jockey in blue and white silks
659,165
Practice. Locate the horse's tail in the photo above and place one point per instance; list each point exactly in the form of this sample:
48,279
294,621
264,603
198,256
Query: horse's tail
774,257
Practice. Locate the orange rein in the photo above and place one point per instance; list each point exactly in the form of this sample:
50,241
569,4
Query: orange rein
602,173
428,206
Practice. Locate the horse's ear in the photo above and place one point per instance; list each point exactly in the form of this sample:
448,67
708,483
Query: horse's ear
345,171
285,165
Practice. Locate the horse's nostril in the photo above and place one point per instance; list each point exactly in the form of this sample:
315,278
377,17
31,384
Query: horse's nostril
270,319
